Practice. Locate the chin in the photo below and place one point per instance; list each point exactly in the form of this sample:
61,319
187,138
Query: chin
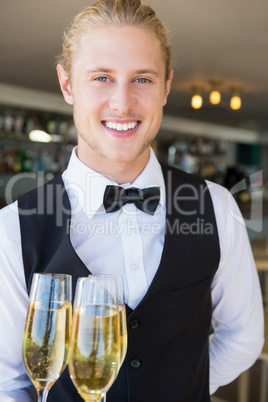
121,155
122,158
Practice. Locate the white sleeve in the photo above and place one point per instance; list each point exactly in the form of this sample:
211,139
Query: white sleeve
13,306
237,309
21,395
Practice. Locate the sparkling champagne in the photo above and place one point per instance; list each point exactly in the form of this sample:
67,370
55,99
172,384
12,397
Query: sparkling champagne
95,349
123,333
46,341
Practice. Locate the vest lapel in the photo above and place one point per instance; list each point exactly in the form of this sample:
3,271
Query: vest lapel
66,261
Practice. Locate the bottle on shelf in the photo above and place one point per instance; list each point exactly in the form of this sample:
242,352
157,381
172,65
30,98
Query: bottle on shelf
18,121
8,121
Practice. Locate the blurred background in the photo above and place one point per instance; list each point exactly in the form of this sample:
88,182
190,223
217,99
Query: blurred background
215,123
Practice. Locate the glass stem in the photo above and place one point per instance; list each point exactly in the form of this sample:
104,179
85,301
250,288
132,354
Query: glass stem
95,399
42,395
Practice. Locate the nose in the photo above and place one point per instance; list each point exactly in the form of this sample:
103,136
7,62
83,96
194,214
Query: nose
122,99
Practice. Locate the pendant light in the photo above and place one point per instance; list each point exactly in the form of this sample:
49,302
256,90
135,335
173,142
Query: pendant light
197,99
235,102
215,96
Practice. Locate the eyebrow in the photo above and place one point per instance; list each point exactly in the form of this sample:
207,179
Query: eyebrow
109,70
147,72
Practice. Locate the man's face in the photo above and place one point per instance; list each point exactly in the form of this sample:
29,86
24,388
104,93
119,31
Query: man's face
118,91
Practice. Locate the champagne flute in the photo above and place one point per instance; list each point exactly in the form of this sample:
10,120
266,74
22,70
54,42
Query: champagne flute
47,330
122,318
122,315
95,344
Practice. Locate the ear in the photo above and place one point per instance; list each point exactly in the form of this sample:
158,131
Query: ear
168,85
65,84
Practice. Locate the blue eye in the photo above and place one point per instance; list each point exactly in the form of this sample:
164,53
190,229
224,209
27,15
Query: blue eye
142,80
102,79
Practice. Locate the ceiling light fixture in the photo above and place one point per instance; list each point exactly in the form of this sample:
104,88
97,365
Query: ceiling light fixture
197,100
215,96
235,102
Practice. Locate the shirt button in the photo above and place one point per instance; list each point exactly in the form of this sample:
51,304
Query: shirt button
134,266
134,324
135,363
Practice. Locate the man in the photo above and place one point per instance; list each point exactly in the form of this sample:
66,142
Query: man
186,262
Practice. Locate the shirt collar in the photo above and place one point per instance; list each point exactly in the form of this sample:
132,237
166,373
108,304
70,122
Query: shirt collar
85,187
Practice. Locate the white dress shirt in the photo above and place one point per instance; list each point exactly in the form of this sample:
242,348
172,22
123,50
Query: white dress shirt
130,243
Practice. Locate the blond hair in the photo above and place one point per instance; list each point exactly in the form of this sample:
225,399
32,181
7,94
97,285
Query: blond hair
113,12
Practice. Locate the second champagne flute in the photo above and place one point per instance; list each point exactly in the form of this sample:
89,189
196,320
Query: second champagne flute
95,344
122,318
122,314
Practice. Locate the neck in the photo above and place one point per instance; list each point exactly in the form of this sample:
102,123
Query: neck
119,172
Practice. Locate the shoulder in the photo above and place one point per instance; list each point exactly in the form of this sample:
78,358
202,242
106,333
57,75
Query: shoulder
219,194
10,237
31,198
9,216
232,227
223,201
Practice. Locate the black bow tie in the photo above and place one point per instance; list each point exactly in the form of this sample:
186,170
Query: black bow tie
146,200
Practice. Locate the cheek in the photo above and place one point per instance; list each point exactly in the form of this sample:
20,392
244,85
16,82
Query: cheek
154,108
85,105
154,99
93,104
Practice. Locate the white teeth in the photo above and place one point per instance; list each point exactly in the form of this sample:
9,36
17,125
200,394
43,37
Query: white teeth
121,127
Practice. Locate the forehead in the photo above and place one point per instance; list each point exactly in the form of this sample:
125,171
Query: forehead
122,46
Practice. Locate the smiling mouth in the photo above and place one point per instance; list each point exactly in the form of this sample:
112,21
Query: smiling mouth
121,126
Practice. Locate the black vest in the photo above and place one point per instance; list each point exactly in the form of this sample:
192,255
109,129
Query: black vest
167,358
